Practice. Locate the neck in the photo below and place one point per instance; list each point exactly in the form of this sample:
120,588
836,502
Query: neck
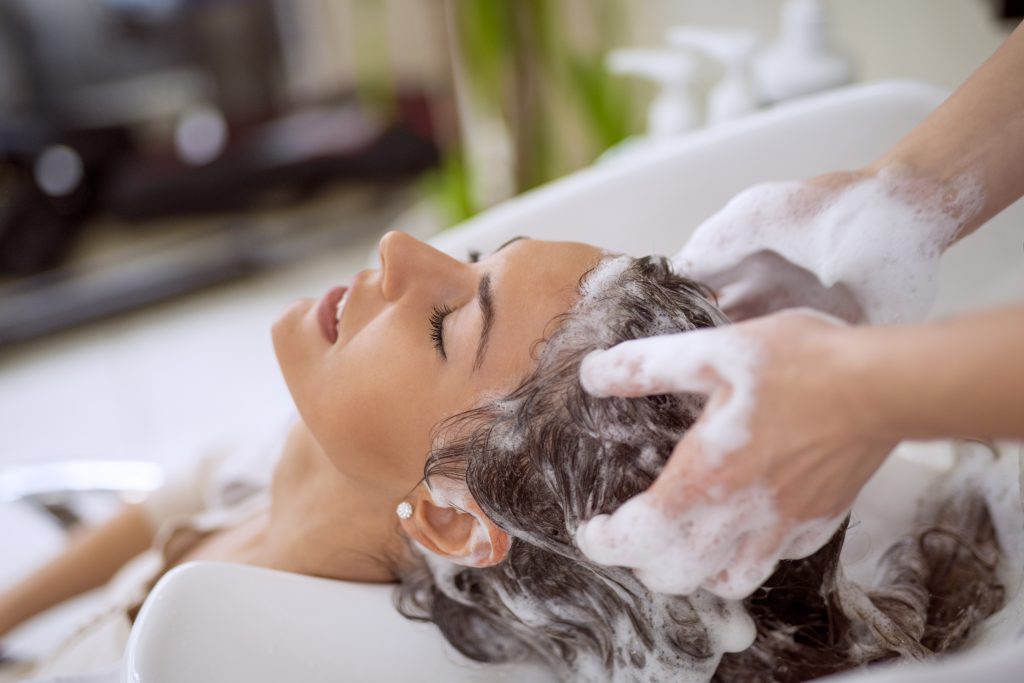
324,524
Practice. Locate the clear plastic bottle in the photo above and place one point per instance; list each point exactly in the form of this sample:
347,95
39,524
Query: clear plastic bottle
803,59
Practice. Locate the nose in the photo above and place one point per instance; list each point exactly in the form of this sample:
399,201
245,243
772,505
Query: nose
406,261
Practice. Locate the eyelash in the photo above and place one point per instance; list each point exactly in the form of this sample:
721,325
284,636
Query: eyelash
440,313
437,328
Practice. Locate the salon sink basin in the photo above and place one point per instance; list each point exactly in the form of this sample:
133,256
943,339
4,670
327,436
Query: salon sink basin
210,622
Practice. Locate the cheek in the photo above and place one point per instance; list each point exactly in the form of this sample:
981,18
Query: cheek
372,415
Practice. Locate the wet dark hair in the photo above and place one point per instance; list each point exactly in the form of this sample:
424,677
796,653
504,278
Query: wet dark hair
548,456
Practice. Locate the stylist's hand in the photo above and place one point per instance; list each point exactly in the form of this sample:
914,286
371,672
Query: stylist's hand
767,472
737,250
862,246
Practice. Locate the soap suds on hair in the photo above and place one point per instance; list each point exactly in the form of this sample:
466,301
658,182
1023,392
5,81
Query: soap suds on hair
881,237
605,273
999,478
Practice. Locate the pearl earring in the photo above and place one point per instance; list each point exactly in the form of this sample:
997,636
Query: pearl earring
404,510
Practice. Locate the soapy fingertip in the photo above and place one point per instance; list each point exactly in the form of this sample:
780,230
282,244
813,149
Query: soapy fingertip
592,374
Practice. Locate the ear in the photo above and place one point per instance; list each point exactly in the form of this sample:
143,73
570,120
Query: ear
451,524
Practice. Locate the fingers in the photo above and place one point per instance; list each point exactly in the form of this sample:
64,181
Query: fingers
685,480
754,559
729,545
640,537
701,361
731,234
757,555
671,363
670,551
807,538
611,539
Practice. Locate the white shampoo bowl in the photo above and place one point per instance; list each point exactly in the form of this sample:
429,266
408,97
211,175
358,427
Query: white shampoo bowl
211,622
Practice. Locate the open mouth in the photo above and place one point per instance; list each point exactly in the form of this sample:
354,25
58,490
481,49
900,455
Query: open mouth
329,312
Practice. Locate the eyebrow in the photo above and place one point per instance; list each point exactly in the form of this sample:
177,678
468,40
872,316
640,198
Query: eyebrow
505,244
485,297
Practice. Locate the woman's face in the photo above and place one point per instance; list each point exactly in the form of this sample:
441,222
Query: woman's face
421,339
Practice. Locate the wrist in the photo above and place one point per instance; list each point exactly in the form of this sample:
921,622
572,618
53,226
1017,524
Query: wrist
927,166
897,381
953,189
862,378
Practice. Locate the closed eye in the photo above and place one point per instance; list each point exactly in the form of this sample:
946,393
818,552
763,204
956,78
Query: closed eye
487,311
437,329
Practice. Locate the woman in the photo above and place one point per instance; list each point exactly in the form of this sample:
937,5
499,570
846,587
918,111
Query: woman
432,355
372,369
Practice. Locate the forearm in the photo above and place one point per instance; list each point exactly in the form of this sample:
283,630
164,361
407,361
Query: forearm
93,557
962,377
976,134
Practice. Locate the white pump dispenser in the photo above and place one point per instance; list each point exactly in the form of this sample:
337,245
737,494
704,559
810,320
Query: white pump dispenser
802,60
672,112
735,94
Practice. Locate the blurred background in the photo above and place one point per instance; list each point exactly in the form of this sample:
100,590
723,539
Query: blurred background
154,148
174,172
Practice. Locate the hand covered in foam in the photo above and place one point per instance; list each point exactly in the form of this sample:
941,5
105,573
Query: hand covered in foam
767,472
862,246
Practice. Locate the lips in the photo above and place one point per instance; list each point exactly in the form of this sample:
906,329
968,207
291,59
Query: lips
327,313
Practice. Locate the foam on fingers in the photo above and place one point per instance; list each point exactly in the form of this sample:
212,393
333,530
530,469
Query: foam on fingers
701,361
880,236
712,545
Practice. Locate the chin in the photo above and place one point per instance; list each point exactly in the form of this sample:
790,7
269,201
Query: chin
286,334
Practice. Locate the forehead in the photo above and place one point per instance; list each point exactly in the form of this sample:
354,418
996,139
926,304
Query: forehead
534,282
548,273
555,260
